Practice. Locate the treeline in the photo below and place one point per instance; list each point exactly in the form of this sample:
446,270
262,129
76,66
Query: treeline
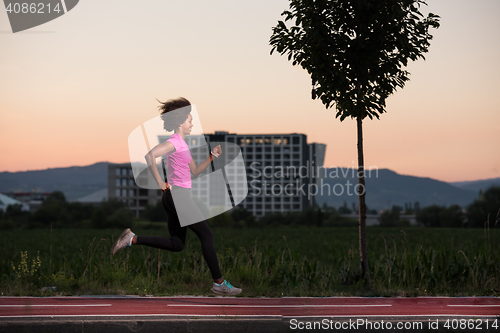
484,211
56,212
240,217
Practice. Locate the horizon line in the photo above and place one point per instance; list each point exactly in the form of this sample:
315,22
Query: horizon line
330,167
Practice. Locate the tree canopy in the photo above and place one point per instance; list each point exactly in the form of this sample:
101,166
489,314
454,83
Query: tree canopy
354,50
485,210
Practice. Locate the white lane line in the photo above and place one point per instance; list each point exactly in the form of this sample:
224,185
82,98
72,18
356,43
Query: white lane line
279,306
37,305
143,315
475,305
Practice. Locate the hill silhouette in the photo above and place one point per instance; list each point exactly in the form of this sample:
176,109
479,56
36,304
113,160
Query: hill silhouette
74,182
386,188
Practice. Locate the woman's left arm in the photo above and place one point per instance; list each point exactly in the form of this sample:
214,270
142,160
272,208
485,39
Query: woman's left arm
197,169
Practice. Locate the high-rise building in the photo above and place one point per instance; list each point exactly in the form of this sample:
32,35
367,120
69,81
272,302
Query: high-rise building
278,168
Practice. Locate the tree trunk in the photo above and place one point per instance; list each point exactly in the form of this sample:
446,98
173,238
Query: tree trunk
363,251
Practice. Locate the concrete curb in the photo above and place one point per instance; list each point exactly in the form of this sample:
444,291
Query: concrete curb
143,325
276,324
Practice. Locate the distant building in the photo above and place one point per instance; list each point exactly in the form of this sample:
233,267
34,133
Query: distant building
279,173
279,170
30,200
121,185
6,201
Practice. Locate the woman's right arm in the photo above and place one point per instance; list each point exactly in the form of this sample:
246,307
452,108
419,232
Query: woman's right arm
151,156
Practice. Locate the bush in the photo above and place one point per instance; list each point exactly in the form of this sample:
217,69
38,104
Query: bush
16,215
112,214
154,213
122,218
222,220
453,217
392,218
53,210
486,208
440,216
430,216
56,211
275,218
389,218
79,214
6,224
242,217
98,219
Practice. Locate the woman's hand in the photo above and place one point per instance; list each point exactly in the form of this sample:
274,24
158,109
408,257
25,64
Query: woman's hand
197,169
217,151
165,186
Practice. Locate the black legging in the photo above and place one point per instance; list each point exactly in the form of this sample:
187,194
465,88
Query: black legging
178,237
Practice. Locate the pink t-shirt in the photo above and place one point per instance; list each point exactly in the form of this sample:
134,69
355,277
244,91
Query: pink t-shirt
178,161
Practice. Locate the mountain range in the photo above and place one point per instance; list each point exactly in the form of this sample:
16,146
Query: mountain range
384,187
75,182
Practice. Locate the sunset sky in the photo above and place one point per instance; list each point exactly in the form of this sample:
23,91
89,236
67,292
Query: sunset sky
73,89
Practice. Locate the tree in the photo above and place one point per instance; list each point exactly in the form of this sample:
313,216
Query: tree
242,217
485,210
430,216
112,213
391,218
354,51
344,209
155,213
53,210
440,216
453,217
16,214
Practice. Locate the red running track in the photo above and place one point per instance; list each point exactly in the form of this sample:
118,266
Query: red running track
11,307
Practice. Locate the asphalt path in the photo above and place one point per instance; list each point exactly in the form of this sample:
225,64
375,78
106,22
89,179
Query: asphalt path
239,306
285,310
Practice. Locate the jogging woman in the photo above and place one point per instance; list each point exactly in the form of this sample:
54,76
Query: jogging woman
176,116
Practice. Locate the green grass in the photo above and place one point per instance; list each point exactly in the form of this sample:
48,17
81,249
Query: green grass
272,262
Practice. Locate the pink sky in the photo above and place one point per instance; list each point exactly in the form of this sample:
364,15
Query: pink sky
71,91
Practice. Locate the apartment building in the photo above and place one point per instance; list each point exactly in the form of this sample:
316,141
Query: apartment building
122,186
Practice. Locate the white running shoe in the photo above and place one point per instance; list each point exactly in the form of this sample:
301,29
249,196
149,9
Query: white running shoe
225,288
123,241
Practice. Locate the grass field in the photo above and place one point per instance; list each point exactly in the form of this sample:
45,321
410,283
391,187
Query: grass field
273,262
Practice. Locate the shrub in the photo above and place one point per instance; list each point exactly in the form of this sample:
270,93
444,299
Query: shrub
222,220
16,214
154,213
486,208
440,216
112,214
53,210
